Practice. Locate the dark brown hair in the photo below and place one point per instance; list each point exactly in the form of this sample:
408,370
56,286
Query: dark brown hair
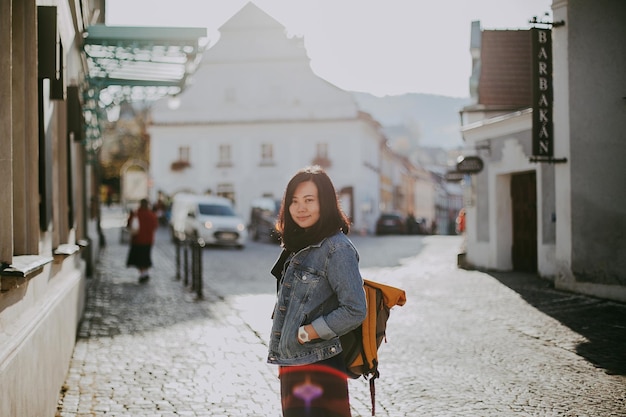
332,218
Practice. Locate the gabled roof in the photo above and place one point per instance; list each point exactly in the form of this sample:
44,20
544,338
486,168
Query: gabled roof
255,72
250,17
263,37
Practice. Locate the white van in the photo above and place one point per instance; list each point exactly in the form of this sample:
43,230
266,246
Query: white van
209,218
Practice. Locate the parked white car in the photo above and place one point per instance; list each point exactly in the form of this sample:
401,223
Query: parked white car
209,218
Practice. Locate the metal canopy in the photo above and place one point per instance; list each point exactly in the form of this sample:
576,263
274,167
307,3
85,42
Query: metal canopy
135,64
142,56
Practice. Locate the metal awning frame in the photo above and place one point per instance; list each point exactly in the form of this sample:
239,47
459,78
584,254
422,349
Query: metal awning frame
126,63
142,56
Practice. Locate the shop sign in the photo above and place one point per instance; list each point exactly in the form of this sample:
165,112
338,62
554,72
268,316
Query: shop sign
454,176
469,164
543,141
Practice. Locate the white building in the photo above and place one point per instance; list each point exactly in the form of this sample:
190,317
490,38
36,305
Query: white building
255,114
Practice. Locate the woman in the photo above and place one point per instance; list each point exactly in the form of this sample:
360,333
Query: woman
142,239
320,297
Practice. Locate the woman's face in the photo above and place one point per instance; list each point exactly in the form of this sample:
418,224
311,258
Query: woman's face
305,206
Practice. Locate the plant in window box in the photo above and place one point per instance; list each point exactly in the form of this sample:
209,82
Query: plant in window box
179,165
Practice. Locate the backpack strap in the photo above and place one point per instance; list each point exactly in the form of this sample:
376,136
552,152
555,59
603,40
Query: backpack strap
375,375
393,296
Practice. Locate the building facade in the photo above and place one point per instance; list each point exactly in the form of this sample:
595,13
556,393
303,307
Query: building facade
563,216
48,223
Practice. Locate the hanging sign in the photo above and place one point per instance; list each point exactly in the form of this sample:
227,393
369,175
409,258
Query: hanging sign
469,164
454,176
543,141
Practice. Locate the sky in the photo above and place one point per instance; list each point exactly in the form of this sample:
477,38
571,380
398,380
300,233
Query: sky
381,47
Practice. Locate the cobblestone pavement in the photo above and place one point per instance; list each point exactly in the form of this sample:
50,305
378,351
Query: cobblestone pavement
467,343
499,345
153,349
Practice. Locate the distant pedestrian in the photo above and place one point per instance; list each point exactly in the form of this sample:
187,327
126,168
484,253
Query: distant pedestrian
320,297
160,209
460,222
142,225
109,195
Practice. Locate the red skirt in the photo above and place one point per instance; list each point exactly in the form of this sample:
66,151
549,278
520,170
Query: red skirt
316,390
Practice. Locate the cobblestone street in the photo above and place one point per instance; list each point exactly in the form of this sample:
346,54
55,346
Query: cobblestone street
467,343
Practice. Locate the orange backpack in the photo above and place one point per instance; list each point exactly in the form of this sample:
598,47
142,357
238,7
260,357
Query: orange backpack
360,346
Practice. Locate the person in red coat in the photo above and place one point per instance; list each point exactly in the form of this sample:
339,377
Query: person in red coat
142,225
460,222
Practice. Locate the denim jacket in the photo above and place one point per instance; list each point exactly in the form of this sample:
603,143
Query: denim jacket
322,286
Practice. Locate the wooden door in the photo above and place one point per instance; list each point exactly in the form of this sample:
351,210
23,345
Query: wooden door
524,202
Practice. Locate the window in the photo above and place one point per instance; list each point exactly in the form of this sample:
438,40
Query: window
183,159
225,156
322,150
28,132
267,154
321,156
183,153
226,190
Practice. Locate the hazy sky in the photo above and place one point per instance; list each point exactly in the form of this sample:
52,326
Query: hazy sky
383,47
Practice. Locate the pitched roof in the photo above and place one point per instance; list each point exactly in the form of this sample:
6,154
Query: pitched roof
254,72
251,17
506,68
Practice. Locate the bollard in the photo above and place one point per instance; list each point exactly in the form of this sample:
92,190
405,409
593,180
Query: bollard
190,248
194,263
186,262
199,293
196,286
177,243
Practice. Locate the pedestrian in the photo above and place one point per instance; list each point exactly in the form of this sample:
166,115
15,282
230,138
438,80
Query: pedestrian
460,222
160,209
320,297
142,225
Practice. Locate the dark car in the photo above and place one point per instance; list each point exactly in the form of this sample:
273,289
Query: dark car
390,223
417,226
263,218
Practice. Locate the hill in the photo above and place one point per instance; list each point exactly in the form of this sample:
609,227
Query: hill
413,120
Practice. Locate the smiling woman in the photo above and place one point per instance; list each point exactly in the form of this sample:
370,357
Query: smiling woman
320,298
305,206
